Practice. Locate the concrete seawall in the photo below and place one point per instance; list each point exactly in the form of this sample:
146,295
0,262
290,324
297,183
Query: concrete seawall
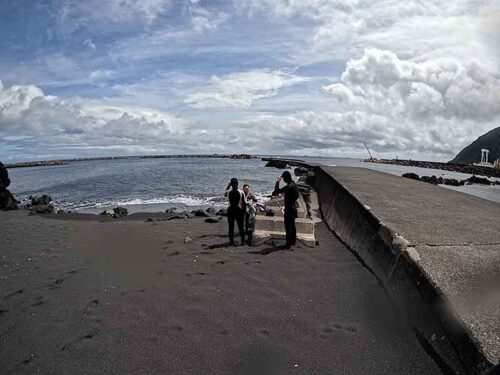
412,261
435,251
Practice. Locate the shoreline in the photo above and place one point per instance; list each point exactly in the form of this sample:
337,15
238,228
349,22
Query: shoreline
451,167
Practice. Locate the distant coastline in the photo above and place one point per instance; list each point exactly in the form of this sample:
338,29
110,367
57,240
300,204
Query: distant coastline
45,163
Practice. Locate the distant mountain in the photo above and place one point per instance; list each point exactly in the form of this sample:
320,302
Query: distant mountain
472,153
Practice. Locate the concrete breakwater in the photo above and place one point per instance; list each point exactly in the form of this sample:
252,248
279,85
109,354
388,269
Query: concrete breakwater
435,251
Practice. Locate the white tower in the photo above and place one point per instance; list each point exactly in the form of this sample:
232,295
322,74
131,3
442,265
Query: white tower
484,155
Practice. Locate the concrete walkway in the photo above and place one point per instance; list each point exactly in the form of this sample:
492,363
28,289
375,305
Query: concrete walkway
454,238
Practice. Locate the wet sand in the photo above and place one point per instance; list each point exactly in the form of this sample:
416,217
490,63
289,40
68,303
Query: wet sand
170,297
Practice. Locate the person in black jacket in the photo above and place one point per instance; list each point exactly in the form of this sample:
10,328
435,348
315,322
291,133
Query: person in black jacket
291,195
236,209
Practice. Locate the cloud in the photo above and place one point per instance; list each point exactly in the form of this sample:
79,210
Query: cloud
241,89
340,29
83,123
397,106
111,15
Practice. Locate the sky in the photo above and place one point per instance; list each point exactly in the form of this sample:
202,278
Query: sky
415,79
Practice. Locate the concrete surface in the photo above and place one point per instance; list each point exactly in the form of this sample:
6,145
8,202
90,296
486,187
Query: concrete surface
436,251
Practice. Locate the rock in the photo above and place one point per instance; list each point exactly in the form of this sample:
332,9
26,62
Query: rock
41,209
40,205
171,210
7,200
149,219
211,220
4,177
300,171
119,212
453,182
430,180
200,213
188,239
222,212
43,200
105,213
412,176
269,212
478,180
274,163
212,210
61,212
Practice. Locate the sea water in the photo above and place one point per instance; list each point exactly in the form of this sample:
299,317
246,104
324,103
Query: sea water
154,184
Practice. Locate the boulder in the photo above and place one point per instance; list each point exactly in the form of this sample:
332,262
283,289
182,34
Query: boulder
453,182
41,209
4,177
7,200
211,220
119,212
280,164
222,212
41,200
412,176
200,213
478,180
40,205
212,210
431,180
300,171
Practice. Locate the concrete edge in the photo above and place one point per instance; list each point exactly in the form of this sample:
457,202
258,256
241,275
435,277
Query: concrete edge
396,265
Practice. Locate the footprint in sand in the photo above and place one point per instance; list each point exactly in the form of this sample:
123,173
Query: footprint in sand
330,331
71,343
253,262
20,291
191,274
39,302
174,254
220,262
264,332
132,291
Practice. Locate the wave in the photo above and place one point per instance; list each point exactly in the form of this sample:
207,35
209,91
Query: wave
184,200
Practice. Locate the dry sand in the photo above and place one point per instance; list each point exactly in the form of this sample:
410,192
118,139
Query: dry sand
134,297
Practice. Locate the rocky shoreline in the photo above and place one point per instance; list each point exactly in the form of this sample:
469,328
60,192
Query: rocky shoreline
452,167
450,181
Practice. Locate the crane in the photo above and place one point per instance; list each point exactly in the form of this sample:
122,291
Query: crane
369,153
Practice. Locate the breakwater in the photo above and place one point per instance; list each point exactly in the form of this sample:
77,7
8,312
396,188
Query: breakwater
45,163
434,250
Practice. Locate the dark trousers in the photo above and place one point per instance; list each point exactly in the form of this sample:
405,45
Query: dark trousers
238,215
291,232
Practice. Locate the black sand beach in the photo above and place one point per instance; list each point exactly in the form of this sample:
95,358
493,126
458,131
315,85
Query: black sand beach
169,297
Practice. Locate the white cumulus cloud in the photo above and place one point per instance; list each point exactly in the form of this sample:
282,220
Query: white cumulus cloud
241,89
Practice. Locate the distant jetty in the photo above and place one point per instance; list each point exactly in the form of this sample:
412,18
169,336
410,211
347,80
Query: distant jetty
46,163
452,167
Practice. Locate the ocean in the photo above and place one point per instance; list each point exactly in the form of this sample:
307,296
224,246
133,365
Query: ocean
144,184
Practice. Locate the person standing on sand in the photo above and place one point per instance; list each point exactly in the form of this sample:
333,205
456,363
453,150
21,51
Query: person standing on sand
291,195
250,211
236,209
